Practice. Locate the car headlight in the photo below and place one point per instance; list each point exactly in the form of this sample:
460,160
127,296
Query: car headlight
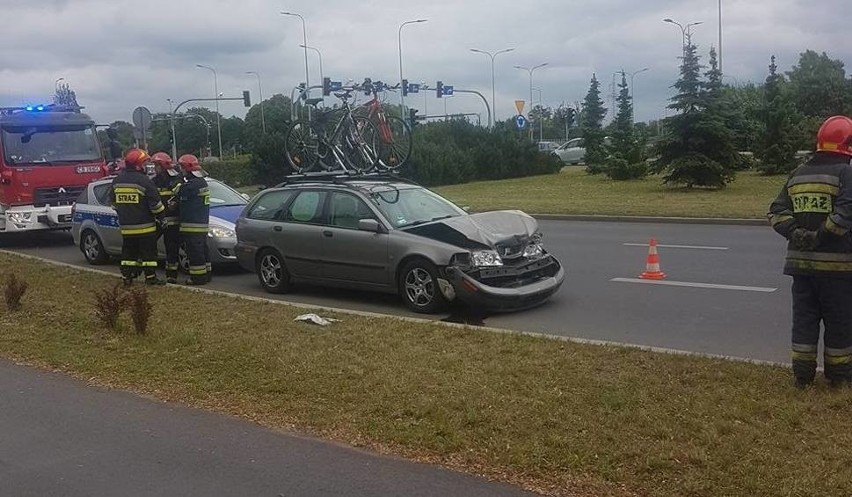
533,250
221,232
486,258
20,217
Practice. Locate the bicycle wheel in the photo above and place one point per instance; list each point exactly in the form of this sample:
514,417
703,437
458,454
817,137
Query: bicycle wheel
359,141
394,142
301,143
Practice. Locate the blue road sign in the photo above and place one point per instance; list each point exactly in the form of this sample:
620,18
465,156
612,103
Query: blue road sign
413,87
520,122
448,89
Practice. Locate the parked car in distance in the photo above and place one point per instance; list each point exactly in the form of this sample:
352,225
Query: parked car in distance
387,234
547,146
571,152
95,228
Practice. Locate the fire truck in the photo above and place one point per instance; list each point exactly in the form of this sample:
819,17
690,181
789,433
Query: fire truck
48,154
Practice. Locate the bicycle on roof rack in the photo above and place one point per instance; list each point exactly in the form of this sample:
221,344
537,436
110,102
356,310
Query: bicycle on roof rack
346,143
394,137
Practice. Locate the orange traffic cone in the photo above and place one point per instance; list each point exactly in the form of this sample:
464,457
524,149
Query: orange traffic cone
652,266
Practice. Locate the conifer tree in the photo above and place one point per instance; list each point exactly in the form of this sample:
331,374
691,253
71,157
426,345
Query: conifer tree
778,151
591,125
625,160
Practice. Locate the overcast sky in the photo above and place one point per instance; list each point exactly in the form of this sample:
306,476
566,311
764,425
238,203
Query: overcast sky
119,54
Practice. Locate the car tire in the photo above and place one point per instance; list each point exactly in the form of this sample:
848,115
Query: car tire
272,272
419,288
93,248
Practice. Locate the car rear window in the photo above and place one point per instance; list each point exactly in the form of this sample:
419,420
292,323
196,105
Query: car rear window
270,206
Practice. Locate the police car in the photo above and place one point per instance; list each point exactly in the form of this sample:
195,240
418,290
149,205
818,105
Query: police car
94,223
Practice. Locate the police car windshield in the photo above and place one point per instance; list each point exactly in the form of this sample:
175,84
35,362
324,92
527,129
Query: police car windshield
221,195
50,145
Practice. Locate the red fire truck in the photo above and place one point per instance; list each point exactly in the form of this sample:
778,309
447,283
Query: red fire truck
48,154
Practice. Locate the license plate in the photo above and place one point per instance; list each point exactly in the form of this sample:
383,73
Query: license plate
88,169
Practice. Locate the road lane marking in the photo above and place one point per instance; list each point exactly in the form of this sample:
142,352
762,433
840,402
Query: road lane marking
696,285
696,247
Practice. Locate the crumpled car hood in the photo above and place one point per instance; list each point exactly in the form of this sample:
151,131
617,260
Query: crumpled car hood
486,230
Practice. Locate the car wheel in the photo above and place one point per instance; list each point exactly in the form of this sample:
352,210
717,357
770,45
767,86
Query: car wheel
272,272
418,286
92,248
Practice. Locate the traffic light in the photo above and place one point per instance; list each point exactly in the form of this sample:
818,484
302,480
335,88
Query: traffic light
439,89
570,115
171,136
412,117
326,87
246,98
404,87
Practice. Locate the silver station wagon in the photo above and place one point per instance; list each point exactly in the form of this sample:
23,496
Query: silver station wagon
94,224
386,234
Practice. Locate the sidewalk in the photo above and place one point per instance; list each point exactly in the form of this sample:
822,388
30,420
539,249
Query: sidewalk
59,437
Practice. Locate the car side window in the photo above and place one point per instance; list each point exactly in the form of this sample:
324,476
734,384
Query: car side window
307,208
269,207
346,210
103,193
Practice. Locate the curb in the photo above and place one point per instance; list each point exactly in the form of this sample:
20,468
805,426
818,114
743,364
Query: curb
653,219
336,310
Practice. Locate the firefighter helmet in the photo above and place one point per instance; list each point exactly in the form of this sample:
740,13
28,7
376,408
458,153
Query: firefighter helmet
189,163
136,158
164,161
835,135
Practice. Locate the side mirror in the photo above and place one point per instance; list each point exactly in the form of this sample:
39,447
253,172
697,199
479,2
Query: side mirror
370,225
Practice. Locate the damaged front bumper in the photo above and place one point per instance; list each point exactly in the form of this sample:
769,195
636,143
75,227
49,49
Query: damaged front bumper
507,288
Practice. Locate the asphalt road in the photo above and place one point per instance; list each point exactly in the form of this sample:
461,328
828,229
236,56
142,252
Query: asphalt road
742,322
59,437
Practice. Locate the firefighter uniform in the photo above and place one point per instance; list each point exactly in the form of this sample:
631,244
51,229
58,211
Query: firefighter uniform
168,183
194,217
814,213
138,206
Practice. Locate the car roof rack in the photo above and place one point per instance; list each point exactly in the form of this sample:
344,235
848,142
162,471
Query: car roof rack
342,177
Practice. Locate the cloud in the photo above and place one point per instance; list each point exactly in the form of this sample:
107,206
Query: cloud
119,54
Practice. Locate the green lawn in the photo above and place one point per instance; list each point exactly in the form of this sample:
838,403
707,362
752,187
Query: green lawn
574,192
562,418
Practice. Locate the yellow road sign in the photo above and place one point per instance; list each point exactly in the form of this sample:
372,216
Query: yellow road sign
519,104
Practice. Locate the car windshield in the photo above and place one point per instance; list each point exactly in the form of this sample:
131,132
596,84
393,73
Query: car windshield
50,145
221,194
412,206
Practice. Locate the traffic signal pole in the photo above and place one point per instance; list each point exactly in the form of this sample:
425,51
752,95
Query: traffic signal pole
244,98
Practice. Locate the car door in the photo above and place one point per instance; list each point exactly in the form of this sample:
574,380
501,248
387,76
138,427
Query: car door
298,234
351,255
106,218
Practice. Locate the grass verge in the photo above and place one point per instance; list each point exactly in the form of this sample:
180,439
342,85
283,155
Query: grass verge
561,418
572,191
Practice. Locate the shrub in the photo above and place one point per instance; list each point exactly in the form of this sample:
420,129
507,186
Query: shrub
14,291
108,305
618,168
235,172
140,309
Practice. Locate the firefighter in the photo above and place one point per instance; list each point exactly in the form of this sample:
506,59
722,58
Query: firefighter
168,182
194,199
139,210
814,213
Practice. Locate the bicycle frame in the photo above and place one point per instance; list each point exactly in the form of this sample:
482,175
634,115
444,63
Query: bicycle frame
375,112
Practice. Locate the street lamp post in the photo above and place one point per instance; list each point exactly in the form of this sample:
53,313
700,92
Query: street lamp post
540,120
216,96
531,70
319,54
260,94
720,36
305,44
632,100
684,31
399,42
493,93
